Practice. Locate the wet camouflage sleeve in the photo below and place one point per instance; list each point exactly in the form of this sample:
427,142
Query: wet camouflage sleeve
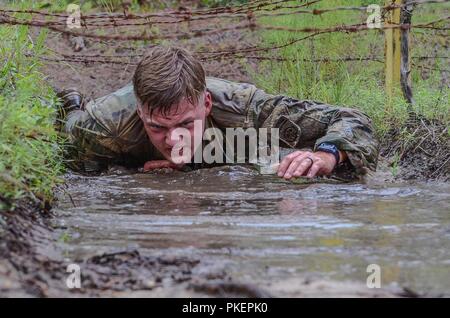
302,123
107,131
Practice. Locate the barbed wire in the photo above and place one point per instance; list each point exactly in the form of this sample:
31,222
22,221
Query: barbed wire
193,33
352,28
165,14
203,32
125,20
276,59
247,11
211,55
111,21
215,13
131,56
98,58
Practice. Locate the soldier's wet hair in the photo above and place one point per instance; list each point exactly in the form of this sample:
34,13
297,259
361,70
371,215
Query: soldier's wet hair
166,76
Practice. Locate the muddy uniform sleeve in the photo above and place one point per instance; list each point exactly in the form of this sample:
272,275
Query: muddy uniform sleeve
107,131
302,123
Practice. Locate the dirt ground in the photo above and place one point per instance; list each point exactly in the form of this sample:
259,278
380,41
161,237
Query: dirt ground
95,79
422,148
30,266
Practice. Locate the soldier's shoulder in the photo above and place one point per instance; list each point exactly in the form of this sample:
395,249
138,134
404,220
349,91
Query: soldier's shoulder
115,109
217,84
226,93
231,101
123,98
124,95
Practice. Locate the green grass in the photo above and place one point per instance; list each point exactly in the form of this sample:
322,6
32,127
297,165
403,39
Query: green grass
221,3
357,84
29,153
107,5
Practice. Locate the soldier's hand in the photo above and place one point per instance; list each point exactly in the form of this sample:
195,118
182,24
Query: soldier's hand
306,163
159,164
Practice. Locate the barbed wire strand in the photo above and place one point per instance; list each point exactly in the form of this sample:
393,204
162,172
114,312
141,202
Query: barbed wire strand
187,15
202,32
214,13
115,21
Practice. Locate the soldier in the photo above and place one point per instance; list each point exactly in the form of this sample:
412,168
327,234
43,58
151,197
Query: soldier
134,125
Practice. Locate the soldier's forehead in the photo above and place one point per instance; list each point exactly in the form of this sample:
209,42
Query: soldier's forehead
175,110
178,111
176,117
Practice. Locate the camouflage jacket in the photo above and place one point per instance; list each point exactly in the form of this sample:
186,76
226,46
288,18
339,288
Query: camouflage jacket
108,130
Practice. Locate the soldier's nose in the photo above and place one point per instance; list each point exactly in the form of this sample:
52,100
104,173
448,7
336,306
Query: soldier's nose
172,139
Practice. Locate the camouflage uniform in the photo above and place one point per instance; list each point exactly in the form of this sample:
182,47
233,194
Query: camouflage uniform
108,130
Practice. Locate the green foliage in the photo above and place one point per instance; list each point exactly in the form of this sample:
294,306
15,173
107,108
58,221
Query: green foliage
29,153
395,165
221,3
138,6
358,84
65,237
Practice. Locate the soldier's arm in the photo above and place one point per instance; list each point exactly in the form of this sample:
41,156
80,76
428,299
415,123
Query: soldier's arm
302,123
305,123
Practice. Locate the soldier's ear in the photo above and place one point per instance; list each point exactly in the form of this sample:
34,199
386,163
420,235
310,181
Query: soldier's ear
208,103
139,110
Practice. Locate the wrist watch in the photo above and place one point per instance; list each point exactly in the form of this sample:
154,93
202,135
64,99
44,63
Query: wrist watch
330,148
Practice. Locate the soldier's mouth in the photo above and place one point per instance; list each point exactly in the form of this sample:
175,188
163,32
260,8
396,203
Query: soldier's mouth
175,155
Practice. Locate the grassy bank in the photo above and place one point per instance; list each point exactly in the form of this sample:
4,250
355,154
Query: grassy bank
358,84
29,153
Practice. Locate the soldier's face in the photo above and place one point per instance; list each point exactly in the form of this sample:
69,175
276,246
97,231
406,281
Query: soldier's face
161,128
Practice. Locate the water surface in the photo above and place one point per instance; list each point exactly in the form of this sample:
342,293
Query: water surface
264,230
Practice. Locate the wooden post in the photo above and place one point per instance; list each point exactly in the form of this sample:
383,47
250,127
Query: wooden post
405,72
392,49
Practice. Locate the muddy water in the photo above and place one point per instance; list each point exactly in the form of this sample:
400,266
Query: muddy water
266,231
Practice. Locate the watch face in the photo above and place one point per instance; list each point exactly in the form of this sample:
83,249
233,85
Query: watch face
328,147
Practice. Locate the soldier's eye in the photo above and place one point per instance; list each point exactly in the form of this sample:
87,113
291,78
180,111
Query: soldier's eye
186,124
156,127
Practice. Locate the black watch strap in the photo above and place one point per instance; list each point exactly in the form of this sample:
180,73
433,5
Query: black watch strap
330,148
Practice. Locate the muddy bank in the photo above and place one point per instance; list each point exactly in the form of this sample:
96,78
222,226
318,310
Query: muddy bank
419,151
32,265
